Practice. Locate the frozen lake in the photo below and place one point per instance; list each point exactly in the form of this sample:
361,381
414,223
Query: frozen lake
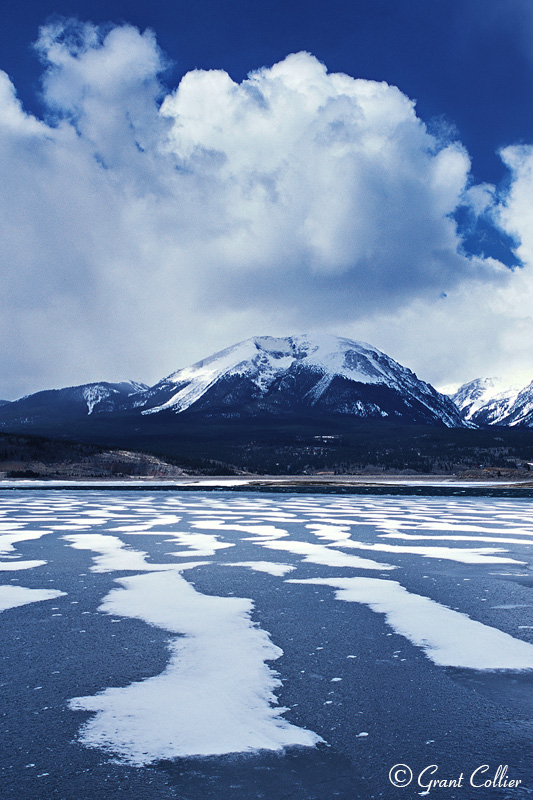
202,645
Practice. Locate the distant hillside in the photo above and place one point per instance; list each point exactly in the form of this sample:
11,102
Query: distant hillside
39,457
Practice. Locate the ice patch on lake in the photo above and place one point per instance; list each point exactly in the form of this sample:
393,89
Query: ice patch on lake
114,555
320,554
465,555
14,566
449,638
279,570
13,596
217,694
7,540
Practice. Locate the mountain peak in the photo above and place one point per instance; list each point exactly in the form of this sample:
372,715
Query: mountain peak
486,401
319,371
308,375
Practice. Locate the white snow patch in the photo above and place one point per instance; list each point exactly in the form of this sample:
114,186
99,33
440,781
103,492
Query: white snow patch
7,540
269,531
455,538
279,570
320,554
116,556
200,544
217,694
94,395
449,638
13,596
465,555
14,566
332,533
147,524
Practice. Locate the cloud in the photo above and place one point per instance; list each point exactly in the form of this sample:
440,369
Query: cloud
515,212
141,229
480,328
331,188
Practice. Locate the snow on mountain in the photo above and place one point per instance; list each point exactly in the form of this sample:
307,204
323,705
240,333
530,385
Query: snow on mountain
97,393
73,401
259,360
296,376
482,394
280,374
521,410
485,401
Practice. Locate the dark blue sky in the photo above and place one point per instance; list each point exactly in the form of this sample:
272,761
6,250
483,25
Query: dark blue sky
467,61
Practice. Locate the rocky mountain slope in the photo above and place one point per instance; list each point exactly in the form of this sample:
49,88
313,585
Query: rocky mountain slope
485,402
260,377
267,375
56,405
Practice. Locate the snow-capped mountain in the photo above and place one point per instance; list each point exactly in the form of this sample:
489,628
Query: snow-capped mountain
513,409
485,397
296,376
267,375
521,412
55,405
485,401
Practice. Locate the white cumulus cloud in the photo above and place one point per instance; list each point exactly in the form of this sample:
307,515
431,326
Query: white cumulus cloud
141,228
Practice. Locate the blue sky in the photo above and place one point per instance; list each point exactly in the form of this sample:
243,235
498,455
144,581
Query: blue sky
467,61
153,213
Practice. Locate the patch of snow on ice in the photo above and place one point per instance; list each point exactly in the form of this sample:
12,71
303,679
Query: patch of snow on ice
116,556
7,540
332,533
320,554
13,596
465,555
268,531
279,570
207,701
452,537
199,544
449,638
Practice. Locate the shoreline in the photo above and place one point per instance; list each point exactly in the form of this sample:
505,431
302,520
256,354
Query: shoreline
427,485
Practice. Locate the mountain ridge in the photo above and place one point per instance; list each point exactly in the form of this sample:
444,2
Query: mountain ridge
487,402
276,374
296,376
68,402
274,405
